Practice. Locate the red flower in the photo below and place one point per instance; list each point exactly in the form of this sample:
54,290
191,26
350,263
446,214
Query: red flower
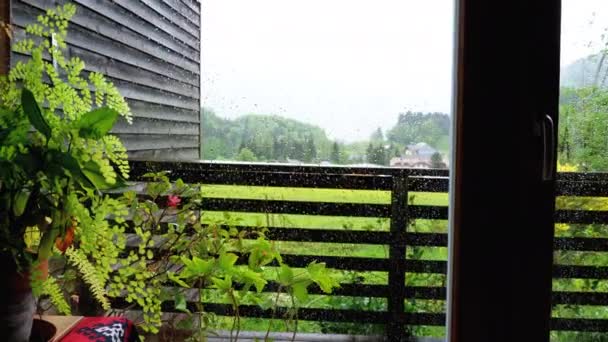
173,201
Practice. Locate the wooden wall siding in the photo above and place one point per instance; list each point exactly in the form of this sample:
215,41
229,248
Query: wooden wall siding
150,49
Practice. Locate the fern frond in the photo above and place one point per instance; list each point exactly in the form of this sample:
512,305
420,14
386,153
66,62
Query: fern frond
51,288
79,260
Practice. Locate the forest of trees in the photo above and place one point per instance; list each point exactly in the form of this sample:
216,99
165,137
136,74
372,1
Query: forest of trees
583,126
274,138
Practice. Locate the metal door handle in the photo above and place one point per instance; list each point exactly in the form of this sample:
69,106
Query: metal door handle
548,133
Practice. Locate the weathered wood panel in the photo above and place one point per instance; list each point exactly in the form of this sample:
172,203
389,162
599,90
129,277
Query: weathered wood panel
150,50
5,55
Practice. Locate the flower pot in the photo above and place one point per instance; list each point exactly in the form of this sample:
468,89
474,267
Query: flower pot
17,305
42,331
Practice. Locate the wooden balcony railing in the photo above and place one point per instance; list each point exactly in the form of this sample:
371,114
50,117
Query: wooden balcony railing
401,212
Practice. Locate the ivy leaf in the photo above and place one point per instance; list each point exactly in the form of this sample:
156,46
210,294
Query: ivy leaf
97,123
180,303
31,109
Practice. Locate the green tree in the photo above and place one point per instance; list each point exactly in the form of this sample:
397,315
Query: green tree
335,153
437,161
310,150
377,136
246,155
370,153
297,151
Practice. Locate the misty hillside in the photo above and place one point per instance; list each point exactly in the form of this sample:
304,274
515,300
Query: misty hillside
585,72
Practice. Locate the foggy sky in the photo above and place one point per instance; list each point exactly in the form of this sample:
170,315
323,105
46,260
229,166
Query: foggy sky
348,66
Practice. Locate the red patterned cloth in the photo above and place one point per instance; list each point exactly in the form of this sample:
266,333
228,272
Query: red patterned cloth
102,329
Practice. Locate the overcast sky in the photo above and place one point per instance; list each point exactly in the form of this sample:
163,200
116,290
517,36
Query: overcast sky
348,66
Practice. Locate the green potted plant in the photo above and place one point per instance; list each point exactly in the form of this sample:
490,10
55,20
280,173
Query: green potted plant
56,157
177,251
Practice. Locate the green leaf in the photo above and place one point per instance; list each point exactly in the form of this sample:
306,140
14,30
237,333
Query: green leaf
285,275
196,267
320,275
254,277
226,261
180,303
300,291
97,123
93,173
176,280
20,202
31,109
222,284
65,161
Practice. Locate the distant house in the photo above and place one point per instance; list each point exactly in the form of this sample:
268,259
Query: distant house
420,150
416,156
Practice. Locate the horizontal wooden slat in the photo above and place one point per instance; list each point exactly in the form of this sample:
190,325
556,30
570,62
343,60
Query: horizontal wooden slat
306,314
101,25
125,72
139,92
158,141
582,272
166,154
175,17
158,111
288,175
582,188
355,236
185,11
155,126
581,216
300,180
119,16
581,244
194,5
294,207
288,168
104,55
148,94
579,324
155,19
580,298
582,177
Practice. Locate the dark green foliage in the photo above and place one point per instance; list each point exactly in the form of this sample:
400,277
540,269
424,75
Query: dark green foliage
583,129
377,154
270,138
31,109
246,155
335,153
415,127
437,161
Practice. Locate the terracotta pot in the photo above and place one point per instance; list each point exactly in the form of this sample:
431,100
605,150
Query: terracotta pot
17,305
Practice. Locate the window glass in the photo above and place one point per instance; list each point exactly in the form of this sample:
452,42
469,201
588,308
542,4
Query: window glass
580,253
320,82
